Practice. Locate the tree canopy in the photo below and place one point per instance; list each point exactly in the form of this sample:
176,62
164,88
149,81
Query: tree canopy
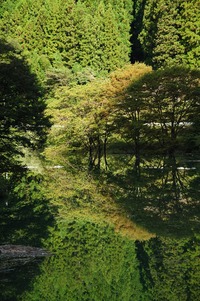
22,116
169,33
69,61
162,105
53,34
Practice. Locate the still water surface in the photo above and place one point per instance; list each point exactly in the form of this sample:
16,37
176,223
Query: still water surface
91,262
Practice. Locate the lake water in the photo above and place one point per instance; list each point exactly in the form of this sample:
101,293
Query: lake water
90,261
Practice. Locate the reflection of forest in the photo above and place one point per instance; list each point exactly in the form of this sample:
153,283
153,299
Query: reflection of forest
170,268
24,211
90,263
161,194
93,263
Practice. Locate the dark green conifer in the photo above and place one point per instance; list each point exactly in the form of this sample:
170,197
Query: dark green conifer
170,33
168,49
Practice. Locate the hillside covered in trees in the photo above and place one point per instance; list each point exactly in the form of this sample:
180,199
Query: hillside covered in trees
99,148
84,79
96,37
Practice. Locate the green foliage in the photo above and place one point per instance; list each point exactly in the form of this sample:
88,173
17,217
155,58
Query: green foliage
90,263
158,194
97,34
84,114
170,268
170,33
190,32
22,116
70,45
25,213
57,34
161,105
168,48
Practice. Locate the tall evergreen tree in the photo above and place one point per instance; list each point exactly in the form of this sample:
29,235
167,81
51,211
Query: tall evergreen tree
168,49
170,33
190,31
148,31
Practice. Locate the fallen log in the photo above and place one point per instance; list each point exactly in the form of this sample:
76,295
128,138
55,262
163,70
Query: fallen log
21,251
17,256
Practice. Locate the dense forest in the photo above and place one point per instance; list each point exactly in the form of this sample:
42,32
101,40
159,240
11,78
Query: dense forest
99,148
81,80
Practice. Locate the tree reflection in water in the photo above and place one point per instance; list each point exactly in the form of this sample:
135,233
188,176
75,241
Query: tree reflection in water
170,268
160,194
91,262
